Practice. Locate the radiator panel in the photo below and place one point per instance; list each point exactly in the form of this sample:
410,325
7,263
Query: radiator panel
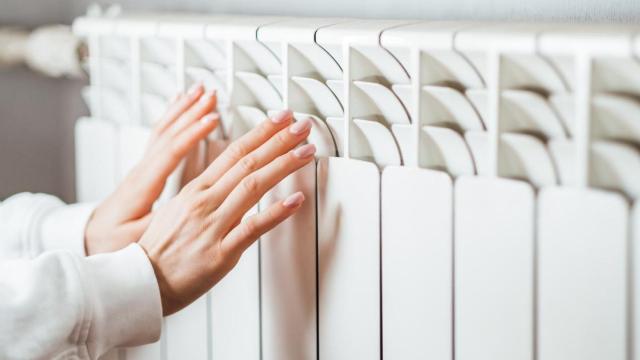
583,276
473,196
417,264
494,269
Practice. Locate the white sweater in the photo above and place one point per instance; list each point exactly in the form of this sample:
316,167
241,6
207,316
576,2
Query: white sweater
56,303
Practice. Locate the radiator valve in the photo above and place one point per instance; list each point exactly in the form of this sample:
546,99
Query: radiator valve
51,50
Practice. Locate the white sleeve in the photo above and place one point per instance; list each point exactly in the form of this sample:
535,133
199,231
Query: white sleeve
63,305
31,224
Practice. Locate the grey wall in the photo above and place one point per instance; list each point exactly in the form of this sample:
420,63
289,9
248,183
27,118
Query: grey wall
37,114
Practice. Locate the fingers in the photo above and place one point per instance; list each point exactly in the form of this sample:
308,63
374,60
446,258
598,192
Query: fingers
285,140
205,105
178,106
162,166
149,177
241,147
254,186
247,232
175,98
196,132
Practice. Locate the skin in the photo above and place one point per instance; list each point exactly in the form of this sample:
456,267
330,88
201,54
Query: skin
197,237
123,217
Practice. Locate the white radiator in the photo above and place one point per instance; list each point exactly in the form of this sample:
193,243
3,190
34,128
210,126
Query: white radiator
476,183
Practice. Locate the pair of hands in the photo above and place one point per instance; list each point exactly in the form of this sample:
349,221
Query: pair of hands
197,237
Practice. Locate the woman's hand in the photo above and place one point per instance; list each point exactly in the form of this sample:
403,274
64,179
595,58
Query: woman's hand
124,216
197,238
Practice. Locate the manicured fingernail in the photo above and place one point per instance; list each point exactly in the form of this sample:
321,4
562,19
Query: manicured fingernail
207,96
281,117
194,88
209,118
305,151
294,200
300,126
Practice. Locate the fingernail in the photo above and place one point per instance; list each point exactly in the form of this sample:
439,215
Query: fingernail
207,96
294,200
281,117
300,126
209,118
194,88
305,151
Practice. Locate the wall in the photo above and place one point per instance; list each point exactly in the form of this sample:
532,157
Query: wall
37,114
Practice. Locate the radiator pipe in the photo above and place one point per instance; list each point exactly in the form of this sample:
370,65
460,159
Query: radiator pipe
51,50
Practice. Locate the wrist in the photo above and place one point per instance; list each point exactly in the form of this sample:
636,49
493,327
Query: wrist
90,234
99,232
160,279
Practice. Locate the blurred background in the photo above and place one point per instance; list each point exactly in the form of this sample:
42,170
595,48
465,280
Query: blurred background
37,113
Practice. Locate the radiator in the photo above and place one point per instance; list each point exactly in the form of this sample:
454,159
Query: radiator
473,198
